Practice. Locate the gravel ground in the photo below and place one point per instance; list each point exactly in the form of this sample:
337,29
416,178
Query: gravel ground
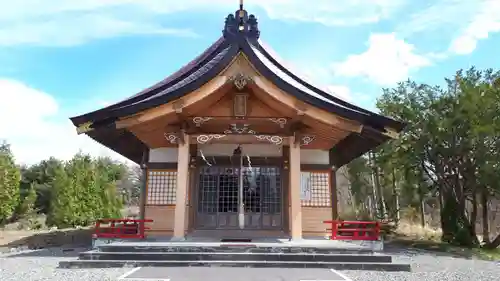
42,265
430,267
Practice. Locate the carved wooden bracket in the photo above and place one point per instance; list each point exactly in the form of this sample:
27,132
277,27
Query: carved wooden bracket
85,127
178,105
391,133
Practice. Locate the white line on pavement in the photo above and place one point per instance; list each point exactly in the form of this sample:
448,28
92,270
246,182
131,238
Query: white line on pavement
319,280
144,279
340,274
128,273
125,277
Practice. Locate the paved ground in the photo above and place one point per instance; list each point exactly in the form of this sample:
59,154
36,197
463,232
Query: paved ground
42,265
231,274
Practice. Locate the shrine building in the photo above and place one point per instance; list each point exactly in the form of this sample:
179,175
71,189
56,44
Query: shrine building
234,141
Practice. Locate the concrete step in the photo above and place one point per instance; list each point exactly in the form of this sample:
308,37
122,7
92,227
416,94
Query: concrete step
242,263
228,256
229,248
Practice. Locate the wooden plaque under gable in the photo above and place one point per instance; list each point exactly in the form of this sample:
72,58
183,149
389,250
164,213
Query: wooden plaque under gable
240,101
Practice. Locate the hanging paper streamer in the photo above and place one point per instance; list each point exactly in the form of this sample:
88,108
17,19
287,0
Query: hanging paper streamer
305,186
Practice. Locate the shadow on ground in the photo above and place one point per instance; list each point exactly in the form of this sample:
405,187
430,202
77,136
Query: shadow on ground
63,239
49,252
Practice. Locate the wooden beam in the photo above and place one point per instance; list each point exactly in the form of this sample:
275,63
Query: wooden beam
84,128
390,132
161,166
296,138
305,109
180,137
173,107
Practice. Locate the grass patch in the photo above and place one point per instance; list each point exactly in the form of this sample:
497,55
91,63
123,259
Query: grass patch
413,236
443,248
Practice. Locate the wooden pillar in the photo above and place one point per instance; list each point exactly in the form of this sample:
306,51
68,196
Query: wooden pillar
333,185
182,186
285,175
143,195
295,179
192,187
333,193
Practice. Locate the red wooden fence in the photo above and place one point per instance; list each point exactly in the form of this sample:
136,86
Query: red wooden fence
354,230
121,228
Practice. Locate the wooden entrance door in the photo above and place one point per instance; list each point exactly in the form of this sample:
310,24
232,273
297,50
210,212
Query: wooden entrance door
219,201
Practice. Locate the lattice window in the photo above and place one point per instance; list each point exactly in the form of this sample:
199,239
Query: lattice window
162,187
318,193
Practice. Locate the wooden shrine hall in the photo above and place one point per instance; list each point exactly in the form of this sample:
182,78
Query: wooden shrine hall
235,141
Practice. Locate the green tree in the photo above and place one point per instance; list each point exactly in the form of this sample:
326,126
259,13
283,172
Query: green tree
40,176
84,191
9,183
450,147
63,200
27,207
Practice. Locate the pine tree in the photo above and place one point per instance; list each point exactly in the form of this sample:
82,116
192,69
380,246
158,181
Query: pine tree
9,183
62,200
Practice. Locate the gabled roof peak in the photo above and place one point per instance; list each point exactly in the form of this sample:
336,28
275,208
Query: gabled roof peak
241,24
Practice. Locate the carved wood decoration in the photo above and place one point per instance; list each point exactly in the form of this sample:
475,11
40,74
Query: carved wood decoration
303,139
198,121
203,139
307,139
239,129
171,137
245,129
174,138
277,140
280,121
240,80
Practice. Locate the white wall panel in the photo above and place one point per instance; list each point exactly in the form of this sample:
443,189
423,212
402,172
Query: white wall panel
163,154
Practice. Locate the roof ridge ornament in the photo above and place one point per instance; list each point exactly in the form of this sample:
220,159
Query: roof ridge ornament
241,24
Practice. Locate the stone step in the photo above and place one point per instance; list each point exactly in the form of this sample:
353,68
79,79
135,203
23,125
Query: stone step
230,248
248,263
221,256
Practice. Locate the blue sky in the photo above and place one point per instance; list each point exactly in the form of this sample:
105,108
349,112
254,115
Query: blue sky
63,58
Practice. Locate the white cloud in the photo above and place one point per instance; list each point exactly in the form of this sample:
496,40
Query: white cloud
331,12
340,91
312,74
79,29
63,23
387,60
484,22
467,21
33,125
345,93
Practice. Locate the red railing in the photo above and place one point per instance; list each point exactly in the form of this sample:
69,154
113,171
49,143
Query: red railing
354,230
121,228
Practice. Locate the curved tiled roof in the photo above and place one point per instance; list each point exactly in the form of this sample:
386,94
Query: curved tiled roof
242,35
